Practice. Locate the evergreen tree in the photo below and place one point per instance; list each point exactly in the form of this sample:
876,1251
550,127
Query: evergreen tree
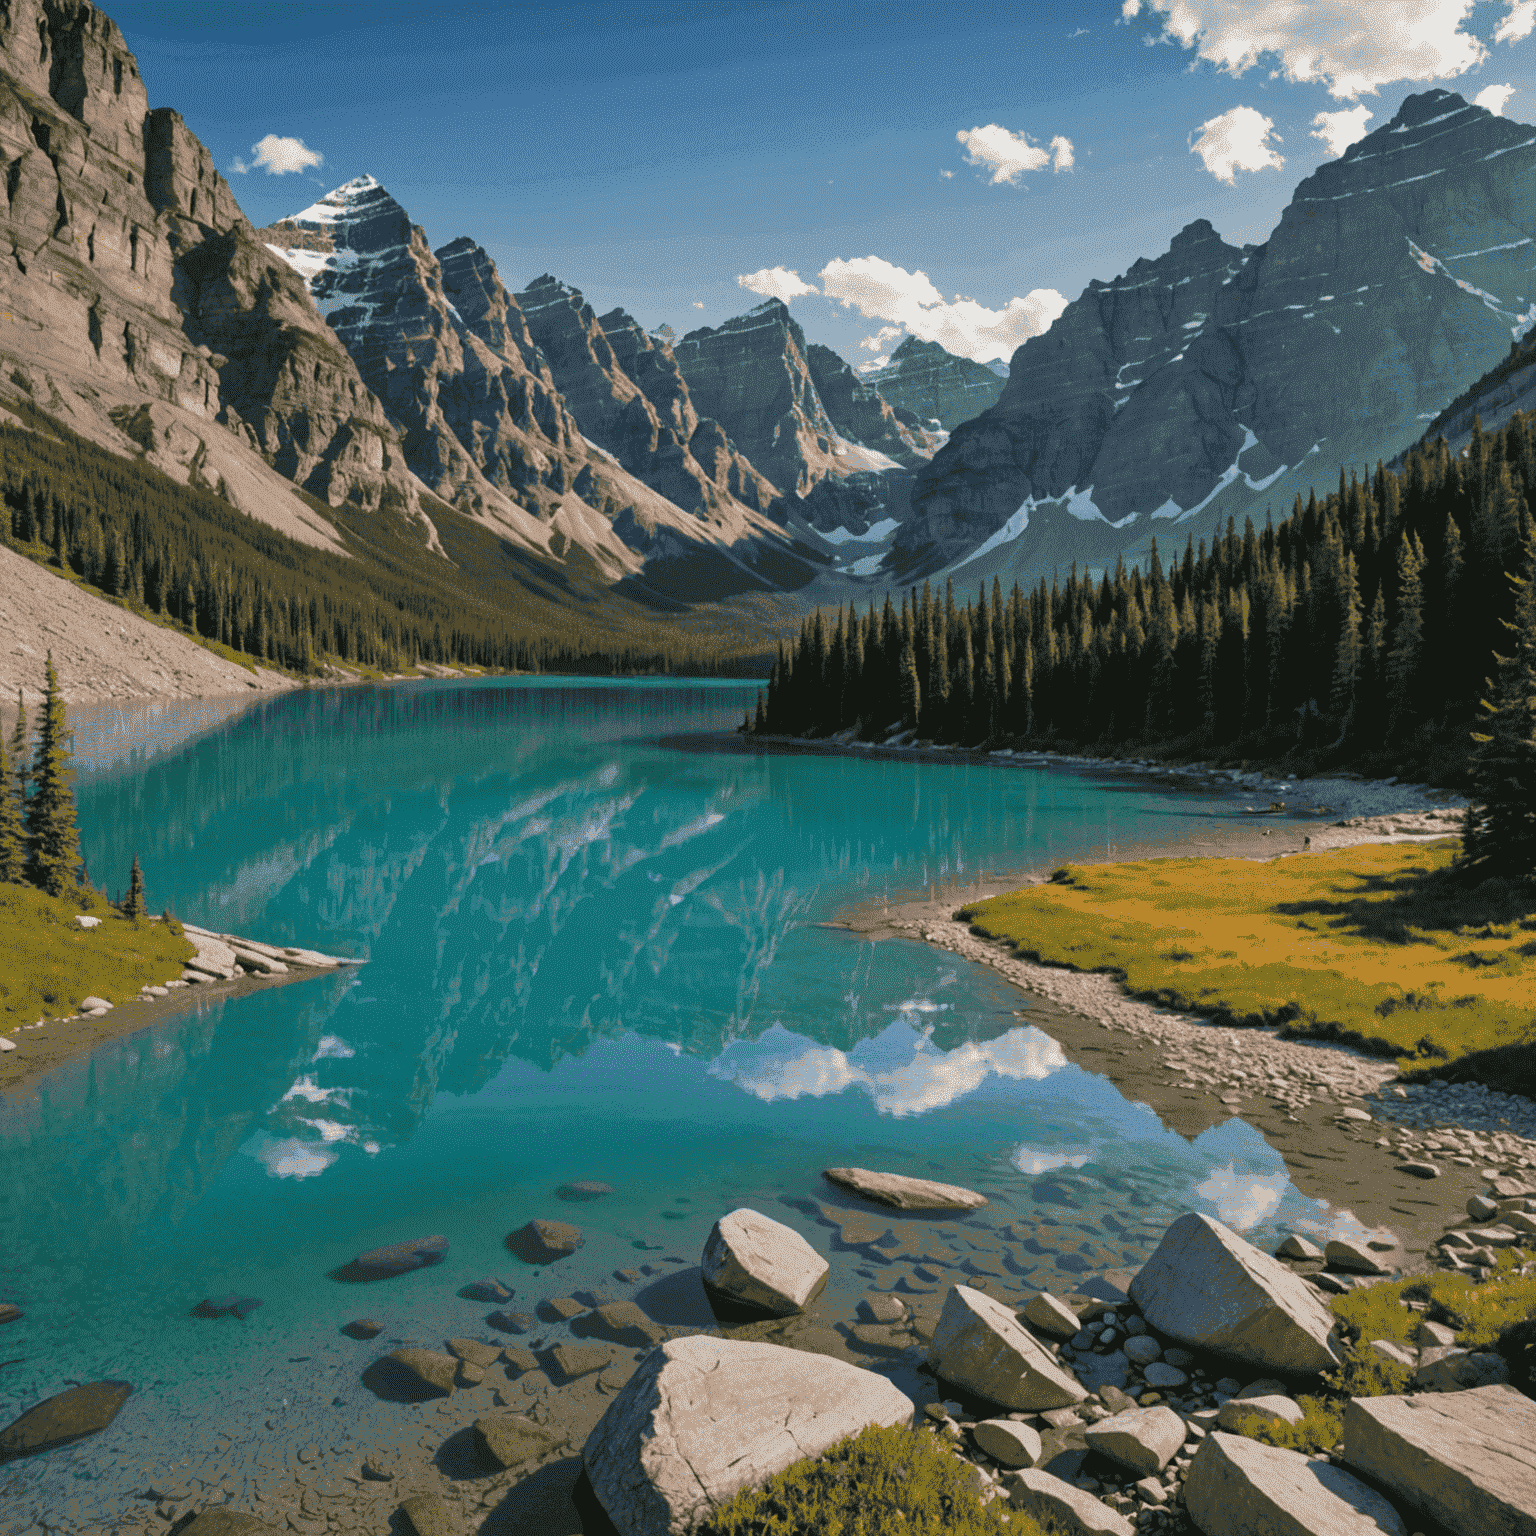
53,843
1500,830
13,835
133,902
21,751
911,688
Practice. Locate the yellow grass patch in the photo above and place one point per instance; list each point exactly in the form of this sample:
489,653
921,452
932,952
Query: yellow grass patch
1372,941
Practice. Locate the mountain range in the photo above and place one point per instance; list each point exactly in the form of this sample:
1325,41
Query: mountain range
335,367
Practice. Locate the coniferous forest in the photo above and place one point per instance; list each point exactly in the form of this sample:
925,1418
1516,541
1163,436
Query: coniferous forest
1367,621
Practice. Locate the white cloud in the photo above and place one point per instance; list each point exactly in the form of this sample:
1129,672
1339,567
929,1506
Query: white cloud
870,367
880,290
238,167
947,175
1008,155
1352,48
1033,1161
1236,141
277,157
1242,1201
1494,97
291,1158
881,339
1518,24
698,304
1338,130
773,283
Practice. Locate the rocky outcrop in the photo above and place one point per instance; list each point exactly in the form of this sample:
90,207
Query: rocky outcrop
752,1259
703,1418
144,312
934,385
1204,1285
905,1194
1217,380
1236,1484
1468,1459
862,416
979,1346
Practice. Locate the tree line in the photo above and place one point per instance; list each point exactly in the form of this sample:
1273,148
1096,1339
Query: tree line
185,555
1369,619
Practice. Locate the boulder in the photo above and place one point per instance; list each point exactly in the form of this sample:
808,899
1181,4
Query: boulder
1205,1286
1051,1316
94,1005
63,1419
509,1322
1420,1170
1236,1484
363,1328
486,1290
226,1522
82,921
1398,1354
620,1322
753,1259
226,1306
1142,1349
1007,1441
1275,1409
583,1189
1445,1368
1295,1247
542,1242
9,1312
1431,1335
1342,1253
883,1307
978,1345
427,1515
1060,1506
1468,1459
509,1439
398,1258
1143,1440
703,1418
474,1351
1163,1376
422,1372
572,1361
904,1194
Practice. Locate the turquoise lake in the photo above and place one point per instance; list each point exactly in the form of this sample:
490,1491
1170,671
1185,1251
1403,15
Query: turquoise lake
594,951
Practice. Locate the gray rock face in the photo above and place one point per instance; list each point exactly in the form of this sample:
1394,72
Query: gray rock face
63,1419
753,1259
1205,1286
861,415
935,385
1274,1409
905,1194
1468,1459
978,1345
1143,1440
1239,1484
1064,1506
703,1418
1393,279
1013,1444
1051,1316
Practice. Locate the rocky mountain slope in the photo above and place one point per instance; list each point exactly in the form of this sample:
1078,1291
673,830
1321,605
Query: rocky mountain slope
1215,381
1507,387
935,385
863,416
141,308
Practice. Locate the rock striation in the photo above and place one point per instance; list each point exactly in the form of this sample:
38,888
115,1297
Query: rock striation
703,1418
1216,380
863,416
934,385
144,311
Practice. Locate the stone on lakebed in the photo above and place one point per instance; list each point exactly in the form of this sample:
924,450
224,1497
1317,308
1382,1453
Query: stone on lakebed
751,1258
542,1242
63,1419
583,1189
904,1194
226,1306
400,1258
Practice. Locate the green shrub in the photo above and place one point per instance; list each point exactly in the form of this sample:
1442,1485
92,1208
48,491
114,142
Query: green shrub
1317,1431
1366,1372
878,1483
1377,1312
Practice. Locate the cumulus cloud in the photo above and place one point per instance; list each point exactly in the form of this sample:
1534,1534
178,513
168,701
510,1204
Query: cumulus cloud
774,283
947,175
1241,1200
1338,130
1236,141
1494,97
1009,155
880,290
881,339
871,366
278,156
1353,49
698,304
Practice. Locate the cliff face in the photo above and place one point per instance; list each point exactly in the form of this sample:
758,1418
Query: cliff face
935,385
862,416
136,291
1216,382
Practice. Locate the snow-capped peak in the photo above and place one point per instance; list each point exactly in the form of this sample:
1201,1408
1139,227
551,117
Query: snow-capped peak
341,202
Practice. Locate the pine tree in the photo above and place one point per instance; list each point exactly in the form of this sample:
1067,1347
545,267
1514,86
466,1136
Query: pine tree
1500,829
53,843
911,688
13,834
133,902
21,751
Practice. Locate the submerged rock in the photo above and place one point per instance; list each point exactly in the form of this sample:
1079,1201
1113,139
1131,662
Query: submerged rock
427,1515
63,1419
904,1194
583,1189
399,1258
486,1290
753,1259
509,1439
226,1522
542,1242
226,1306
703,1418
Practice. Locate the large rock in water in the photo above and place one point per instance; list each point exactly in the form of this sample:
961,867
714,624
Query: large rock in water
978,1345
1236,1484
1204,1285
227,1522
703,1418
63,1419
398,1258
1466,1458
753,1259
905,1194
542,1242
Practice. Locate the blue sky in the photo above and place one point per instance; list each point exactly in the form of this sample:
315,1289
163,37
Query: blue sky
653,155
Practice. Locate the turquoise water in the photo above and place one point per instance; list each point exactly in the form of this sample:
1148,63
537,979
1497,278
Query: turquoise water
592,951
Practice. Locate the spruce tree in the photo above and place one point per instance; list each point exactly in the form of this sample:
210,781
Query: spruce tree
1500,829
53,843
21,751
133,902
13,835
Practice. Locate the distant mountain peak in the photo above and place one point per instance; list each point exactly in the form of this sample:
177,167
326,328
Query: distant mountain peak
1425,106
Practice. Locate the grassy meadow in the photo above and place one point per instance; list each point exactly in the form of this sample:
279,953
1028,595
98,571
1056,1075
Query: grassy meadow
1376,944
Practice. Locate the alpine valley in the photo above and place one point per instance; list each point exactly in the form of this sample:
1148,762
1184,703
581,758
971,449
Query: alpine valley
437,423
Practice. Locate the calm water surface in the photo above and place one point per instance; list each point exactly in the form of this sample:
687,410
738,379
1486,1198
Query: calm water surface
592,953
